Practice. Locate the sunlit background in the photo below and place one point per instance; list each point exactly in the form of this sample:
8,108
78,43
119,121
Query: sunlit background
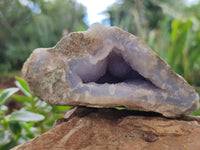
96,7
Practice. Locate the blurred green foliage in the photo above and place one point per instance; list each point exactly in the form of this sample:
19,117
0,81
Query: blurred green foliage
170,28
34,118
35,23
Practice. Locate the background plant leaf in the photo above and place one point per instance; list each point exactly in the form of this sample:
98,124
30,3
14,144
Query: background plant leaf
6,94
23,86
25,116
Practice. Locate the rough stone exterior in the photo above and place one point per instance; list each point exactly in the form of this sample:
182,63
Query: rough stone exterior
51,76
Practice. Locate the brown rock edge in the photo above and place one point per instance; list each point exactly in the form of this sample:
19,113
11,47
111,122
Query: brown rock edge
110,129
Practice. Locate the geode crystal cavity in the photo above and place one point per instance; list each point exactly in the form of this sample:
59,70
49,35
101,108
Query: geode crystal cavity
107,67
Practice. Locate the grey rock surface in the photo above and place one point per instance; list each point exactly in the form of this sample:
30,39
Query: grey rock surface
106,67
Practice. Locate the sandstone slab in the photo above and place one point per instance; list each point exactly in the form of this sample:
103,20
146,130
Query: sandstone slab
109,129
106,67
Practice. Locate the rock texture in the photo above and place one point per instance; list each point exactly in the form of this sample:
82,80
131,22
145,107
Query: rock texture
106,67
109,129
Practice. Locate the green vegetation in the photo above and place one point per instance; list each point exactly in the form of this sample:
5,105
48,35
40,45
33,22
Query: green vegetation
171,28
34,118
25,27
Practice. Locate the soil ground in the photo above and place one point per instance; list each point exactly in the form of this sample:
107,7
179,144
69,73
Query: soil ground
7,82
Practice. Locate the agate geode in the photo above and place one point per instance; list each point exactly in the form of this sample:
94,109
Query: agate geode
107,67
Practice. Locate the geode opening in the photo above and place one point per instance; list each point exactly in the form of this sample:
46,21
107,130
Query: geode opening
117,71
113,69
